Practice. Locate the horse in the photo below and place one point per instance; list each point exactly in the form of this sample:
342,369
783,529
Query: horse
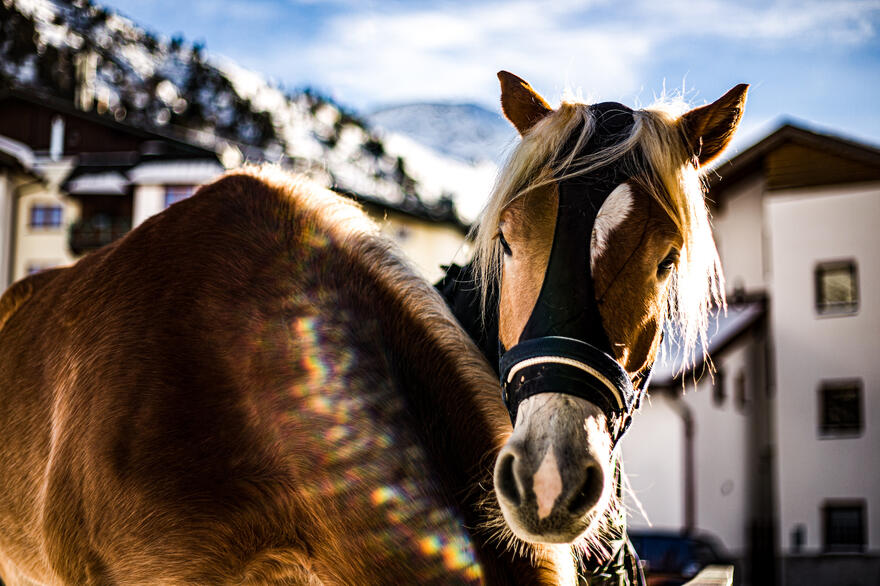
253,387
595,241
250,387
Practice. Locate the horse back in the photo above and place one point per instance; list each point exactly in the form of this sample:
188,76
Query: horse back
217,396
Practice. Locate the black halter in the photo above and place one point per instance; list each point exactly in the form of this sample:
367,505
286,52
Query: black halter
564,347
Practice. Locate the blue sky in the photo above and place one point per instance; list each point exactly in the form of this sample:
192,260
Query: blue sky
815,61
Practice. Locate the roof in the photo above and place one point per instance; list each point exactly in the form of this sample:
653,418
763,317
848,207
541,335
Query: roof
106,183
725,327
187,172
17,153
174,146
442,212
795,156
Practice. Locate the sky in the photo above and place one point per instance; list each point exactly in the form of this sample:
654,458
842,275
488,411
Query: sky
816,62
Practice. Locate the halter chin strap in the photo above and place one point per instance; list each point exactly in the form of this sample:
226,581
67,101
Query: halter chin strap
564,347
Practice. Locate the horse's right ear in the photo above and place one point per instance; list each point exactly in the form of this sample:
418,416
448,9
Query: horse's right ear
709,128
521,104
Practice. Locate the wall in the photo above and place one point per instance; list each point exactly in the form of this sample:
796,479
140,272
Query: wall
7,199
843,223
426,245
44,247
721,454
148,200
654,457
739,234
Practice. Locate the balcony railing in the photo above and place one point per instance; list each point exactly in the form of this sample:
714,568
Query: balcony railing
92,233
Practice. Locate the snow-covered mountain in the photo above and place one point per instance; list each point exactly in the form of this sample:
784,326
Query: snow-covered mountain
77,50
467,132
449,148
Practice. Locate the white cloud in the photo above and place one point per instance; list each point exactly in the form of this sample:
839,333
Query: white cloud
449,54
396,52
805,21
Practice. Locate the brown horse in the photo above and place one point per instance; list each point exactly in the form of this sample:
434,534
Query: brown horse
251,387
248,388
595,241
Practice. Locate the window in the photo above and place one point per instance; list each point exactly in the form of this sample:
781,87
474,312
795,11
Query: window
844,526
837,287
840,408
176,193
719,388
45,216
739,390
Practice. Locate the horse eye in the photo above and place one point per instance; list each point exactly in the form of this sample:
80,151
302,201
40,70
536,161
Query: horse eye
668,263
504,244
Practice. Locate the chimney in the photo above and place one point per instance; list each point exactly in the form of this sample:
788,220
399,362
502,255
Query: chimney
56,141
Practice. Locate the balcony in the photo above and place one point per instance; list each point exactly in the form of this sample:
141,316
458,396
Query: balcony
91,234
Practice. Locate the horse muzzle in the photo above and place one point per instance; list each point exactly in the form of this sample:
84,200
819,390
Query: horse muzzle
570,403
551,476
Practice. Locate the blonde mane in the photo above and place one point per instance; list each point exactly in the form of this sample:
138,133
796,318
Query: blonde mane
666,170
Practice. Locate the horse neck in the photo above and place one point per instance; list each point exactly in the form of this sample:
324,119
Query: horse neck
455,399
463,297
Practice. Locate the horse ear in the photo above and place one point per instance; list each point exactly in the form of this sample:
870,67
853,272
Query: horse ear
709,128
521,104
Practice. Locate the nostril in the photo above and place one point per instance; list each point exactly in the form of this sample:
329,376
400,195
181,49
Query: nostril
505,480
590,491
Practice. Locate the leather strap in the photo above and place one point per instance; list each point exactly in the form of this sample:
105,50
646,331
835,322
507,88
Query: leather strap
556,364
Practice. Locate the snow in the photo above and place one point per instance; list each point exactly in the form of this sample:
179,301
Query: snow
316,136
109,183
464,131
469,183
174,172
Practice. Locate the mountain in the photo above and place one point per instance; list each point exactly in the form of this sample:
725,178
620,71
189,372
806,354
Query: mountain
467,132
79,51
451,149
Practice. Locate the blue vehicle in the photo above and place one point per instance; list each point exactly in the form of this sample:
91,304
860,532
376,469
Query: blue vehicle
671,558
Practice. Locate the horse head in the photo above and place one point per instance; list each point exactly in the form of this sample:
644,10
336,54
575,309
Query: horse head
596,240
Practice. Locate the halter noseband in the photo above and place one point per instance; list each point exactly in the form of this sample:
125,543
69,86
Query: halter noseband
564,347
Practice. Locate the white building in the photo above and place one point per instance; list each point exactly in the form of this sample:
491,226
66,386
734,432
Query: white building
72,181
779,454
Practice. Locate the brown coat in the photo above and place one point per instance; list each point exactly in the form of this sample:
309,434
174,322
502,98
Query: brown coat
250,387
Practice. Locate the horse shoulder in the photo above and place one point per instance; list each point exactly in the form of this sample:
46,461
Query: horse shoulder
21,291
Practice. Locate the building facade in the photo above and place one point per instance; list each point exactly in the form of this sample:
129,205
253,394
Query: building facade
782,457
86,180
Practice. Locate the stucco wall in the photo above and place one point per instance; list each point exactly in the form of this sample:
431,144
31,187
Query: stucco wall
427,246
6,202
44,247
148,200
721,454
654,457
740,235
842,224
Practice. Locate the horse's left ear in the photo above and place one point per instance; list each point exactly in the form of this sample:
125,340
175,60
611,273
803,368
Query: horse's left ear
521,104
709,128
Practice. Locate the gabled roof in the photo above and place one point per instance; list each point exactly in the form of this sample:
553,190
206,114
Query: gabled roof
442,212
793,156
725,328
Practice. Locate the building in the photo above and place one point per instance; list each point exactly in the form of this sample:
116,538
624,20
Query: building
778,453
76,180
17,175
98,178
